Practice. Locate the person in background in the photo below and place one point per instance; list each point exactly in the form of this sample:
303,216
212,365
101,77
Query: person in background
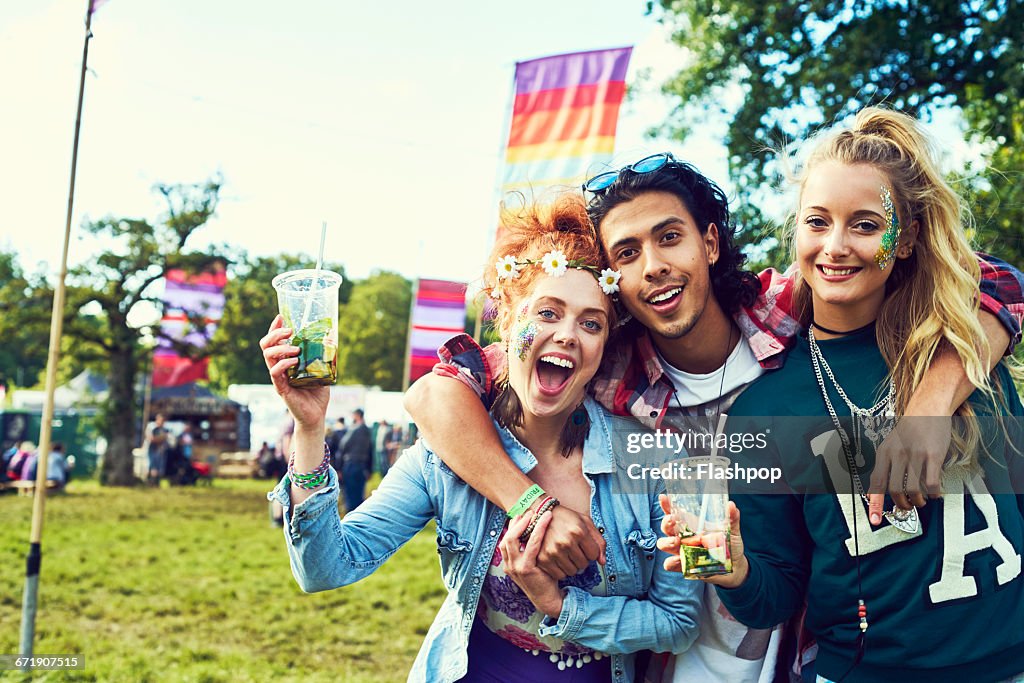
334,440
355,459
157,443
186,441
265,459
284,449
380,446
5,461
395,440
56,466
18,461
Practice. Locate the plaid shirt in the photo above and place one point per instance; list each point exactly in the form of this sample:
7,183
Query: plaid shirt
632,381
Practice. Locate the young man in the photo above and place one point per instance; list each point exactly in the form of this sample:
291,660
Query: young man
701,330
355,460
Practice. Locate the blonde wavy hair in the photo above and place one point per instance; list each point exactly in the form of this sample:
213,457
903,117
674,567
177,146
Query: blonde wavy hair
931,296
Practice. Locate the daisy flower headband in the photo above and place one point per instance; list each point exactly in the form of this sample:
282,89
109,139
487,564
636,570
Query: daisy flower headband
554,264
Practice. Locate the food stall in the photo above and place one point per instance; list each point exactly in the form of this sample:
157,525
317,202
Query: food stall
219,425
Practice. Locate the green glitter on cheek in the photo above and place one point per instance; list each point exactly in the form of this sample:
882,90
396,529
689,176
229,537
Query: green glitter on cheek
522,339
891,236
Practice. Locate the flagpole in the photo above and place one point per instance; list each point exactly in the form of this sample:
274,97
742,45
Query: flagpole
35,553
502,151
408,335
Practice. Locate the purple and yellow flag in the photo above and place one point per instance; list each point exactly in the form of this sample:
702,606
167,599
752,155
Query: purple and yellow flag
564,117
438,314
187,297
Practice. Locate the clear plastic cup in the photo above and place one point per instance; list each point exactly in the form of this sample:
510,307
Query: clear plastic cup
699,495
308,302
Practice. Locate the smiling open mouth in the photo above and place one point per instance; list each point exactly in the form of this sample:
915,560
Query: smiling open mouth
665,297
838,272
554,372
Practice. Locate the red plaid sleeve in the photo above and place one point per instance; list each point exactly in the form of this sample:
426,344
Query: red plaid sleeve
462,359
1002,295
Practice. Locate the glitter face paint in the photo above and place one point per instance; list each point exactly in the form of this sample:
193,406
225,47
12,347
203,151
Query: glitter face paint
891,237
523,335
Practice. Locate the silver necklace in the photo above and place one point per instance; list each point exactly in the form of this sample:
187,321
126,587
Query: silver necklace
876,422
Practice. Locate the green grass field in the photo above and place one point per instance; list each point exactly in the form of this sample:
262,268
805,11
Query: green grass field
193,584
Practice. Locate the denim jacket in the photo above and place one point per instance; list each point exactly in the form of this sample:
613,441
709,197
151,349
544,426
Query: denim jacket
647,607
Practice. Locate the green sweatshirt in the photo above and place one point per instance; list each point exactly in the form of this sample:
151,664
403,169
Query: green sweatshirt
945,604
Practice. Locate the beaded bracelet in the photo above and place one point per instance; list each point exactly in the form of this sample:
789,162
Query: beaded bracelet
526,500
546,506
314,479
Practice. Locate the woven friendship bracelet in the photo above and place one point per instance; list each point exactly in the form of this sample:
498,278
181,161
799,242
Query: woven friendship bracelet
526,500
310,484
545,507
313,479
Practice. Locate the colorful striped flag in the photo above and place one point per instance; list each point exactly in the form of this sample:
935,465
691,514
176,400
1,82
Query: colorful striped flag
187,295
564,117
438,313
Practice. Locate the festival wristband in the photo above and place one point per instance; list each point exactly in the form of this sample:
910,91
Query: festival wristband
313,479
526,500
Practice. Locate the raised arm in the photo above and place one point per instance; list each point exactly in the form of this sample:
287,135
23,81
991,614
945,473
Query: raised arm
453,420
307,405
326,553
918,446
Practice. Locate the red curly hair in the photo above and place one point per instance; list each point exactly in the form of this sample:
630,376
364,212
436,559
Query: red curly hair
530,231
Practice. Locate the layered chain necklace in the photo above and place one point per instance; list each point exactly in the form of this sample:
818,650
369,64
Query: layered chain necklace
876,422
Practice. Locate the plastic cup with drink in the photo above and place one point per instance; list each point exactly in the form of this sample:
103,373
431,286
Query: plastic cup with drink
308,302
699,497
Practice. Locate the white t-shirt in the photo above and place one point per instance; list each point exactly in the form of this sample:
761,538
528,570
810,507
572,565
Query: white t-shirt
692,389
725,650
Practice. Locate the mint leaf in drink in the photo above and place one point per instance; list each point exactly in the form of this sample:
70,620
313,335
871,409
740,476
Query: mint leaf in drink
315,330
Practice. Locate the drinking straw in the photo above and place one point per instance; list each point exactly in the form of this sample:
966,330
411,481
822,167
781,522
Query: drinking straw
704,496
316,277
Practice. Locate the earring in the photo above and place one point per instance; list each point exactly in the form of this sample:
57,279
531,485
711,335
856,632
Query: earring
576,428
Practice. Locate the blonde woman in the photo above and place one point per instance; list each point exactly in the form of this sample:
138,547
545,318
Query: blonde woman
886,278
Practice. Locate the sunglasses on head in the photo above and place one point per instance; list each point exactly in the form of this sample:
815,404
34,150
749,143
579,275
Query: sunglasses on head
603,181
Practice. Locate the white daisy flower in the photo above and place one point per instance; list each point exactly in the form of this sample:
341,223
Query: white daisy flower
507,268
609,280
554,263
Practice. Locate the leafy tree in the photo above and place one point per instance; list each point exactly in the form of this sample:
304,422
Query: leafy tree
800,65
996,198
250,304
115,282
372,331
75,357
25,306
